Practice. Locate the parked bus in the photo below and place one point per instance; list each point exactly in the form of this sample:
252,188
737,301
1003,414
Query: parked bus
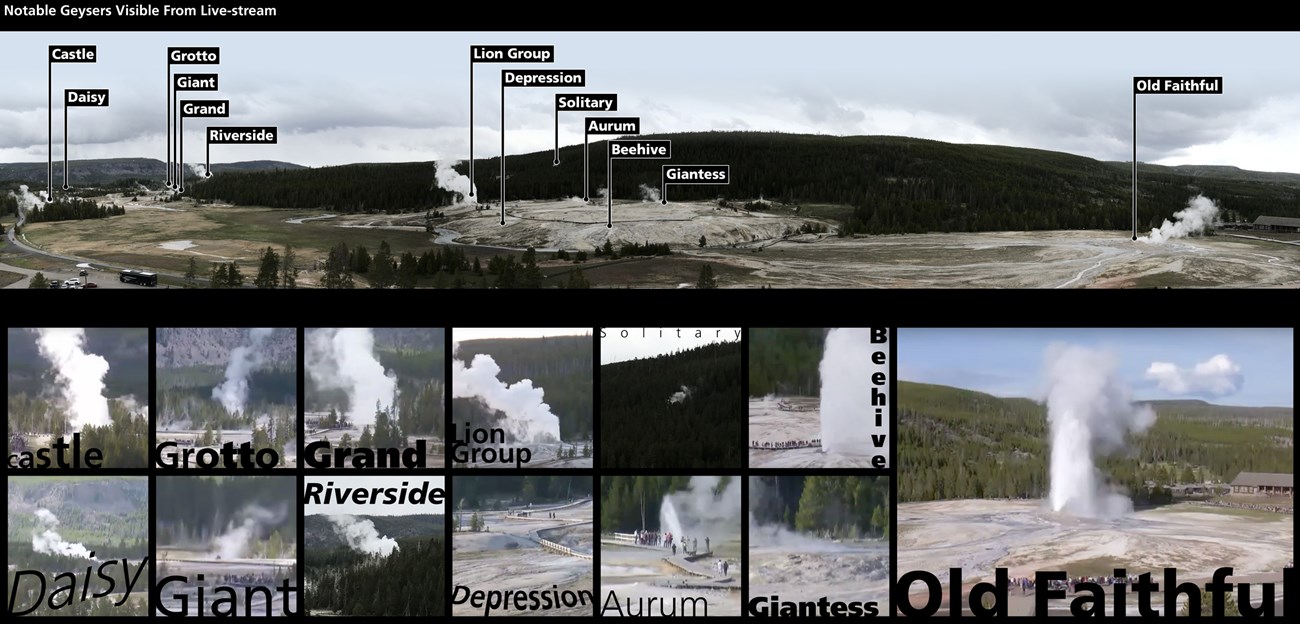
143,278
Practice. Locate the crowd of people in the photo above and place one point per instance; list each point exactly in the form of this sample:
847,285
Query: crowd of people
244,580
816,443
665,540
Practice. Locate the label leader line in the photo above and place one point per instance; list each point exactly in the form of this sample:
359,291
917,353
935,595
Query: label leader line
499,54
78,98
182,56
631,149
531,78
1156,85
62,54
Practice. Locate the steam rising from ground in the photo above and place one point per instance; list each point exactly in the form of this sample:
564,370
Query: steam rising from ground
775,535
680,395
649,194
47,540
1201,212
199,170
449,179
697,512
528,418
847,415
236,542
26,202
1090,410
344,359
233,393
361,536
80,375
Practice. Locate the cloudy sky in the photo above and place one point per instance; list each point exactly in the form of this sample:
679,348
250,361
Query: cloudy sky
643,342
394,97
351,508
461,334
1251,367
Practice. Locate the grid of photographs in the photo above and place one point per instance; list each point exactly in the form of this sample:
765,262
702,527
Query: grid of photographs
606,472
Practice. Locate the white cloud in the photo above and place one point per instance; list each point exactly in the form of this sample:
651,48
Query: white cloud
1217,376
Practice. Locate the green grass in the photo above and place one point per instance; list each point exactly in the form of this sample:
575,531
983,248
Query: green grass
9,277
269,227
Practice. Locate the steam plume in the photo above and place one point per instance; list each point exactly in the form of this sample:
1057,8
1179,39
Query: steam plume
701,511
233,393
47,540
528,418
344,359
680,395
449,179
1201,212
848,399
80,375
235,543
649,194
1090,410
360,534
26,202
199,170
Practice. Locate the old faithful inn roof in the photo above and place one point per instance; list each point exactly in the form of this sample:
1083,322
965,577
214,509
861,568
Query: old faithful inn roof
1264,479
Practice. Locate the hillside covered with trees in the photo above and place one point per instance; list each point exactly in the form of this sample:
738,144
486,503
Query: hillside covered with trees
785,361
642,427
833,507
559,365
497,492
956,443
890,184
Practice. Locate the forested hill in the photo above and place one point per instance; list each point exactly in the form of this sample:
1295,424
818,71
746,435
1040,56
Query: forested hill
641,427
785,360
894,184
955,443
559,365
320,534
148,171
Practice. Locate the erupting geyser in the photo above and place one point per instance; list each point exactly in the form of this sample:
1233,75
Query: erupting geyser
680,395
702,511
528,418
48,541
1201,213
448,179
361,536
80,375
244,359
848,413
1090,411
344,359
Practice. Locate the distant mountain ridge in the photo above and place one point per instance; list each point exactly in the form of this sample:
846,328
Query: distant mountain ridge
109,170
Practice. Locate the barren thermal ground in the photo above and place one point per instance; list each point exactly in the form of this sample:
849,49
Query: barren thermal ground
1025,536
841,572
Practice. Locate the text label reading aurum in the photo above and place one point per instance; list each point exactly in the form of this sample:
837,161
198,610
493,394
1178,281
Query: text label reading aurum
328,494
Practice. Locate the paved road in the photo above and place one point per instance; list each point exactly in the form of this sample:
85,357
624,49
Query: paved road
102,279
101,267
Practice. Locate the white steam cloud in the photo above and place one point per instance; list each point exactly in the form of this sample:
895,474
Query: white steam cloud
237,541
1090,410
344,359
80,375
848,398
528,418
47,540
602,193
26,202
701,511
649,194
449,179
199,170
233,392
1217,376
680,395
1201,212
361,536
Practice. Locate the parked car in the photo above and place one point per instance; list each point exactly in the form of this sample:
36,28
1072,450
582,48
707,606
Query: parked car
90,285
54,283
83,273
71,283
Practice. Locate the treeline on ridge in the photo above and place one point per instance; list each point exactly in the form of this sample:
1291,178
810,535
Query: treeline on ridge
831,507
893,184
956,444
785,361
408,582
641,428
473,493
631,503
